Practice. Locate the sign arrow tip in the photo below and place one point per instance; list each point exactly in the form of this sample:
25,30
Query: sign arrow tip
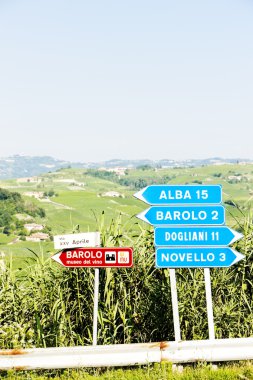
56,258
142,216
237,236
139,194
238,256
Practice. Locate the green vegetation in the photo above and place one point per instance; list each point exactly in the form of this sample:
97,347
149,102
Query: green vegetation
49,193
44,304
152,372
11,203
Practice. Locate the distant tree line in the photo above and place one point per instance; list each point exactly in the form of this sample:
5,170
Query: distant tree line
12,203
133,182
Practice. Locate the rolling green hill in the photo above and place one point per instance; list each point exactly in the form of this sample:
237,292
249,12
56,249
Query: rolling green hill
79,197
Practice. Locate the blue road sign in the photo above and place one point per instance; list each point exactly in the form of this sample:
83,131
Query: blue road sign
195,236
180,194
196,257
184,215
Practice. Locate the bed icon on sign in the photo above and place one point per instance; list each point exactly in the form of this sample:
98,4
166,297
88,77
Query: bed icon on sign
123,257
110,257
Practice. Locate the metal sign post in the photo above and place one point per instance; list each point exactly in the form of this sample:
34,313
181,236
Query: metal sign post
209,303
176,321
95,307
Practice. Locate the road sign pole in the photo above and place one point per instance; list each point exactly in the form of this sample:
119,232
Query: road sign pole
95,308
173,287
209,303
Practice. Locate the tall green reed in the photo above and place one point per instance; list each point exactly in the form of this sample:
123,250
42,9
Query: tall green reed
47,305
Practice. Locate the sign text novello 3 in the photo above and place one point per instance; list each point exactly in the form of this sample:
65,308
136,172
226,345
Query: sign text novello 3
200,257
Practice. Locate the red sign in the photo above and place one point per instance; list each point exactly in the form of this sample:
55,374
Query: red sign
95,257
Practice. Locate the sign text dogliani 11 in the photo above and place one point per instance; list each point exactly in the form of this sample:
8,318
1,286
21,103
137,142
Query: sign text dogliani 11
85,239
200,257
180,194
184,215
195,236
95,257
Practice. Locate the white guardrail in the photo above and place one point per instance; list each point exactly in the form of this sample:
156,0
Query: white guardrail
127,354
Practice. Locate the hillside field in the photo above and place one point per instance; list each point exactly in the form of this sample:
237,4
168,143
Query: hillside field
77,198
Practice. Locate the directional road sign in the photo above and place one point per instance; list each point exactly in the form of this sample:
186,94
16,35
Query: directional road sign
184,215
86,239
195,236
180,194
95,257
196,257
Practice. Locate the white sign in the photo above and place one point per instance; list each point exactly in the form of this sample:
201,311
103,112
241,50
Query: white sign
86,239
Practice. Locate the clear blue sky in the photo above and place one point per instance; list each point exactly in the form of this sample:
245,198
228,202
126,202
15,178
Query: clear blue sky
89,80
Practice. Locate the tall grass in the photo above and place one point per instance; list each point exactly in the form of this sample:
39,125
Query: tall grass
46,305
163,371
